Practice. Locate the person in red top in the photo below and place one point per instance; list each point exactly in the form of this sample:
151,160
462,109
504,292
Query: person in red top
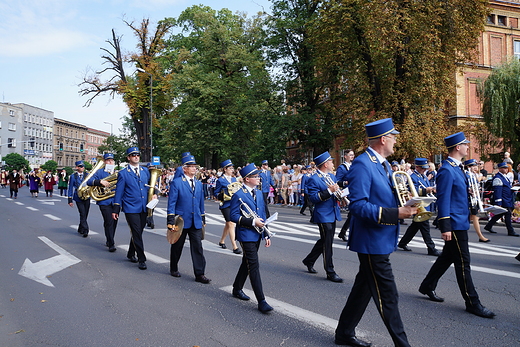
48,183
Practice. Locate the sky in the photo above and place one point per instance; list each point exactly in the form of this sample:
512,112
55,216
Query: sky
46,47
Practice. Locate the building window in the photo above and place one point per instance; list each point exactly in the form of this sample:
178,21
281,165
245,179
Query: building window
11,143
0,124
491,19
11,113
516,47
12,126
502,20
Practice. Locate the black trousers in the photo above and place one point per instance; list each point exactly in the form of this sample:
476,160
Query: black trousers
197,255
83,209
13,191
424,227
323,246
345,226
307,203
266,204
507,220
136,222
250,266
374,280
109,223
455,252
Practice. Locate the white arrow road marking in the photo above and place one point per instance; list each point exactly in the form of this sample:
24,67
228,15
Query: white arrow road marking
31,208
49,202
40,270
90,231
50,216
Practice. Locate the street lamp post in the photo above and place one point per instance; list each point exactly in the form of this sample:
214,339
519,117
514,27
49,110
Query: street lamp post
151,112
111,133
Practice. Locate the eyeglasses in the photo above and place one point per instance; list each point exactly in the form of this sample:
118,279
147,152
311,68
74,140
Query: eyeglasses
254,176
135,155
80,166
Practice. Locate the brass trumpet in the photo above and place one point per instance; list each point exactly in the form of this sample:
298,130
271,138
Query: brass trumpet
406,191
249,213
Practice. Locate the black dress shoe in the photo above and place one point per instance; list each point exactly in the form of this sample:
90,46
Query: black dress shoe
85,234
223,245
491,231
432,295
142,265
513,234
133,259
480,240
343,237
310,268
112,248
240,294
351,341
264,307
202,279
405,248
434,252
303,214
237,251
334,278
479,310
175,273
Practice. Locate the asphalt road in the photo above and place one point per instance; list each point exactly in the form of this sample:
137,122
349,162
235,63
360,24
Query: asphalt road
59,289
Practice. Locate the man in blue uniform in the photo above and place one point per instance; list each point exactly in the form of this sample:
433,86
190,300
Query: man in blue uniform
267,182
248,236
186,199
131,197
422,186
106,206
342,177
306,173
374,230
83,205
321,187
453,221
502,196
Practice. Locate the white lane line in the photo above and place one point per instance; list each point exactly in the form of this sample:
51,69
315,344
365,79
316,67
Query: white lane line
495,272
31,208
90,232
19,203
2,196
9,199
149,256
50,216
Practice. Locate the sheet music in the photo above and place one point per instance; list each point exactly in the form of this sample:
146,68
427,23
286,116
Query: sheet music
420,201
272,218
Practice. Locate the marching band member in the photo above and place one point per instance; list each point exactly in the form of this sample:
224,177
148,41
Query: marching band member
374,231
321,187
453,221
422,186
342,177
267,182
307,173
221,188
131,197
106,206
502,196
471,165
186,199
248,236
83,205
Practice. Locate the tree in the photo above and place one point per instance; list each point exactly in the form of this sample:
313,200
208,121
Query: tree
225,106
500,95
14,161
118,145
134,91
50,165
396,59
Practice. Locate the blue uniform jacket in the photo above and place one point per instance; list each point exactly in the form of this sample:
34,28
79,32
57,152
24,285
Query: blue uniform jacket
420,183
326,209
374,226
74,183
222,183
187,203
452,197
131,192
244,230
502,193
94,181
267,180
342,175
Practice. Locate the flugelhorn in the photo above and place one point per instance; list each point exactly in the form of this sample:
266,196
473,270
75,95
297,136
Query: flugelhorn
475,192
406,191
249,213
338,193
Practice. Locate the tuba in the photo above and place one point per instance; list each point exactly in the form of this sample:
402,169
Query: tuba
83,189
405,189
102,193
154,174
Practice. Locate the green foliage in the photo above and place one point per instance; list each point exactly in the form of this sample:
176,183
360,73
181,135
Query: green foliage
50,165
396,59
14,161
118,145
500,94
225,105
69,170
